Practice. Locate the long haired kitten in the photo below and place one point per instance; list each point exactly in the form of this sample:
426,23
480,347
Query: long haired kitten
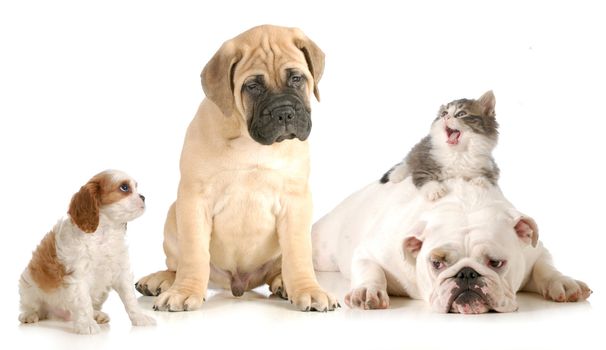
459,144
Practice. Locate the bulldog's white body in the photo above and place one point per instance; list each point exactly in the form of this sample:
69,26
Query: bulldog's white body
365,238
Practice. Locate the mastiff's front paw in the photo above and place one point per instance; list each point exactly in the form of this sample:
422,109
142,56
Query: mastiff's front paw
175,299
155,283
367,298
313,299
564,289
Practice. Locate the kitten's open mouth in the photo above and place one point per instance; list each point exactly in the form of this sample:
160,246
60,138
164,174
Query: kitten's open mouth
453,136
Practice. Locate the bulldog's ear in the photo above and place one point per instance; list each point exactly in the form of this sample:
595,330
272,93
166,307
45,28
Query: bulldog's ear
526,229
218,77
84,207
315,61
414,242
488,101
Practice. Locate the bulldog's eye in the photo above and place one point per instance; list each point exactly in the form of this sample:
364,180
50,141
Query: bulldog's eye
438,264
460,114
124,188
496,264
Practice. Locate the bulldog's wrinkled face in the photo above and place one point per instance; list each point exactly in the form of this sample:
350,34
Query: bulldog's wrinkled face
277,110
473,263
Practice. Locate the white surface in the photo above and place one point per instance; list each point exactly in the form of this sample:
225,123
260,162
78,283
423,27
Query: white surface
89,86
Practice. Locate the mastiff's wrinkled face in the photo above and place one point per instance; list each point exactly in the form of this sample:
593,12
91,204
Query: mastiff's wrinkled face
277,113
473,263
265,77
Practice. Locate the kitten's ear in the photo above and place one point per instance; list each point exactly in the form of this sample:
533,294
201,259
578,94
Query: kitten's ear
488,101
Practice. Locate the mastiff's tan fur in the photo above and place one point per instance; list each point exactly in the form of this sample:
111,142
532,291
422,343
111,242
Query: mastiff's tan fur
243,212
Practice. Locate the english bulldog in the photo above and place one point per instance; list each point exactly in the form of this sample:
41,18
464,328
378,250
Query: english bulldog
469,252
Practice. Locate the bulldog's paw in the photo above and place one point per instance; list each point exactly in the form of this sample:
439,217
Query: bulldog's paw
480,181
156,283
89,326
367,298
29,317
277,287
565,289
140,319
176,299
433,190
101,317
313,299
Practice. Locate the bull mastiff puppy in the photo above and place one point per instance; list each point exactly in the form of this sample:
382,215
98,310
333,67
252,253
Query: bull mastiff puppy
242,217
469,252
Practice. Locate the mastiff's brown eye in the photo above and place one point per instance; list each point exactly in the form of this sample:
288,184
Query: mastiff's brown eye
295,80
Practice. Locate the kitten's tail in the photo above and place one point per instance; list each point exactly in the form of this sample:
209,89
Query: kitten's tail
398,173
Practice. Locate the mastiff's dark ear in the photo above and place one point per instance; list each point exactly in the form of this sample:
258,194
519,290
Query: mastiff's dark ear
218,77
315,60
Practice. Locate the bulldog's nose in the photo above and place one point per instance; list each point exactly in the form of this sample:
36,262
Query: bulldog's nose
283,114
142,197
468,274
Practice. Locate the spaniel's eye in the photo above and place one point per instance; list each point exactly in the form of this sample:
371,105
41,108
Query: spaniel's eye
124,188
460,114
443,113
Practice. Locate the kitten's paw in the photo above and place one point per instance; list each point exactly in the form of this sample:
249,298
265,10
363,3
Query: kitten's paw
566,289
101,317
480,181
86,327
433,191
367,298
29,317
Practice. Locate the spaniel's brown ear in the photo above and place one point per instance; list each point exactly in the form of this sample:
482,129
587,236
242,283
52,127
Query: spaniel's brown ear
84,207
315,61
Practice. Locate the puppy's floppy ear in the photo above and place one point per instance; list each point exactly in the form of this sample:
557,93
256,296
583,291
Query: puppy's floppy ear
488,101
218,77
315,60
84,207
526,228
414,241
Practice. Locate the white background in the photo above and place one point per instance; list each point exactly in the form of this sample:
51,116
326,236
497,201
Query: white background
86,86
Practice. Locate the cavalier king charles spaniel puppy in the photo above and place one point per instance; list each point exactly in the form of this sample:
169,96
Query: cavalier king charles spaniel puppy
84,256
